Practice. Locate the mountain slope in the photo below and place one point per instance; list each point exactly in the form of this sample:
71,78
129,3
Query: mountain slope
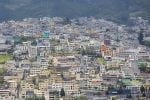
116,10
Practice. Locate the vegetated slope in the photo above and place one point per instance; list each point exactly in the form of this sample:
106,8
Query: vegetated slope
116,10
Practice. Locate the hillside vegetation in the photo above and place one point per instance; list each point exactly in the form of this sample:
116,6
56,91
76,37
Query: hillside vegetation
116,10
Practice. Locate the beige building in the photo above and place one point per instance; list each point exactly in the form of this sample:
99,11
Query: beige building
6,95
27,85
12,84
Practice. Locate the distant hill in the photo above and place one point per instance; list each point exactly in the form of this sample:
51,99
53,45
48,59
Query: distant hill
116,10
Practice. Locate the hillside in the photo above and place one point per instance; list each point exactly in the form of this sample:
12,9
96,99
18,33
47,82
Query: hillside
116,10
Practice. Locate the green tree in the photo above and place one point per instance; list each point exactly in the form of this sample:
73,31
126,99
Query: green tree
50,62
143,95
110,87
1,79
81,98
34,43
2,71
140,38
147,43
143,67
129,96
34,80
113,98
142,89
62,92
62,76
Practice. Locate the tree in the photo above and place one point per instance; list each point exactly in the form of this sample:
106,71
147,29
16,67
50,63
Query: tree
34,43
140,38
34,80
120,90
53,51
113,98
50,62
147,43
110,87
83,52
142,67
42,98
2,71
129,96
81,98
62,92
117,40
95,88
1,79
62,76
143,95
142,89
66,20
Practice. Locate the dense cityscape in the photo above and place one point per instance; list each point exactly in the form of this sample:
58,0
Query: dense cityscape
74,59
